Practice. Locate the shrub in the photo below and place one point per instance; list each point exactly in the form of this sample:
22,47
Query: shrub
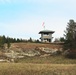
70,54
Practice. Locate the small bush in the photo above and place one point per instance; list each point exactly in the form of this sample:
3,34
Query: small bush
70,54
59,52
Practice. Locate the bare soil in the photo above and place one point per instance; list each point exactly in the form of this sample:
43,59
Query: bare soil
34,45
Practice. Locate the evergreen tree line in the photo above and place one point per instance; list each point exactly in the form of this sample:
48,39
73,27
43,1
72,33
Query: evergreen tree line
9,40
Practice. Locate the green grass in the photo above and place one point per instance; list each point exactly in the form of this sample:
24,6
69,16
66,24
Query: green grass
47,60
37,69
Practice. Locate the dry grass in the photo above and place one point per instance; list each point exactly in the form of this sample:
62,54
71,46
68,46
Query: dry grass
34,45
52,65
48,60
37,69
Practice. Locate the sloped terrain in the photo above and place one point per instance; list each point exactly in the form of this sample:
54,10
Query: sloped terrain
22,50
33,49
31,46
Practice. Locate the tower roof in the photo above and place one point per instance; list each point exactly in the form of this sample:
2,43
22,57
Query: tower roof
46,31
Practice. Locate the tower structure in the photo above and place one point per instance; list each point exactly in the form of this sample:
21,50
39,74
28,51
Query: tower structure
46,35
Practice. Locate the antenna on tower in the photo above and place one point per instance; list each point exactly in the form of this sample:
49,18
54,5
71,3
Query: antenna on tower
43,25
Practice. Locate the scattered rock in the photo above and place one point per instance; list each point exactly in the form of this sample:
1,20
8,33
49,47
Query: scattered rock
31,53
4,60
45,55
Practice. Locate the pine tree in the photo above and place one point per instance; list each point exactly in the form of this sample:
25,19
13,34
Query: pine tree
8,42
70,35
70,40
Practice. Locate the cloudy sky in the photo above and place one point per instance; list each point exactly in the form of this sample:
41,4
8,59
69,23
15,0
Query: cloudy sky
24,18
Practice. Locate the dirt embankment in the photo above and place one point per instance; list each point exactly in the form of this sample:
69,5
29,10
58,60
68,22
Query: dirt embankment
34,45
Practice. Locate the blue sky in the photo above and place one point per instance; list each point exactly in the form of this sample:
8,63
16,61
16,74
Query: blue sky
24,18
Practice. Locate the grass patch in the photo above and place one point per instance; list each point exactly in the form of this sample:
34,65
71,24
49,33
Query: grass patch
47,60
37,69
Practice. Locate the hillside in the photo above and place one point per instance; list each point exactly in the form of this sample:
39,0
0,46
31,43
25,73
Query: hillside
34,45
42,64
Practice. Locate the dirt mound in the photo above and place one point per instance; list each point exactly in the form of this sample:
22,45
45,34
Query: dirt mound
27,46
